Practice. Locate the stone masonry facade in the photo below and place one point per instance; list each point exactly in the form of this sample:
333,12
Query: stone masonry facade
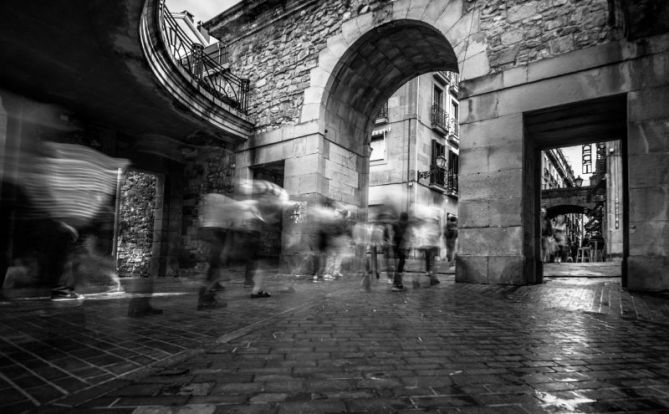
278,47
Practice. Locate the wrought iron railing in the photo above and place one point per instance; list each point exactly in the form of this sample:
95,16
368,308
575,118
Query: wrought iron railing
453,128
452,183
210,72
383,112
439,117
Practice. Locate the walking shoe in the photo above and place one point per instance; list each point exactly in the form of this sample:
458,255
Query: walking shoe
397,288
260,294
415,284
328,277
65,294
206,299
139,311
434,281
218,287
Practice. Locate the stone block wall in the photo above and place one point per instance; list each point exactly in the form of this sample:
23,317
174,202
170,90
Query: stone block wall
136,223
277,47
520,31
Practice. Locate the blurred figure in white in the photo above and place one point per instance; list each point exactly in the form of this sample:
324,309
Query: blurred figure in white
340,240
232,230
362,239
426,235
66,188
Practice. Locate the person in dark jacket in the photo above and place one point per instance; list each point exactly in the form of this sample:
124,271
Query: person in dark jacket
400,239
451,235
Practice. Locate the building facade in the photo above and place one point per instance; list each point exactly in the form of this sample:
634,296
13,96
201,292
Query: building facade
414,128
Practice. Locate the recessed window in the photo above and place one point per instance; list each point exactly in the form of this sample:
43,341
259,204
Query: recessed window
378,145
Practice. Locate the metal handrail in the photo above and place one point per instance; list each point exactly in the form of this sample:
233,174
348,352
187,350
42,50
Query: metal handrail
210,75
453,127
383,111
439,117
452,183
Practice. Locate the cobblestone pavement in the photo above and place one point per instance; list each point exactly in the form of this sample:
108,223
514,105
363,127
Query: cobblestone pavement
569,345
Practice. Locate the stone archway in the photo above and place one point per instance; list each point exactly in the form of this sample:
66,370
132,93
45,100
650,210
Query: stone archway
374,54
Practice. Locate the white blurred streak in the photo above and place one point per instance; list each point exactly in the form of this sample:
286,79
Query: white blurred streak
67,182
223,212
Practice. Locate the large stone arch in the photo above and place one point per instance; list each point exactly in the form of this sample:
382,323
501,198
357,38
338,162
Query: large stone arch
376,52
364,64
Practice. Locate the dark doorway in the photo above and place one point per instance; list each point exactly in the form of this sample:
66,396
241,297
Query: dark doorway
587,197
274,173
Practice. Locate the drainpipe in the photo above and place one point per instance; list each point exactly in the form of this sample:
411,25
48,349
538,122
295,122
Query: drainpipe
415,153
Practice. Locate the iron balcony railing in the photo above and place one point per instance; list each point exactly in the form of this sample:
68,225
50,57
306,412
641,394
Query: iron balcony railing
446,179
452,183
382,115
210,72
439,117
453,128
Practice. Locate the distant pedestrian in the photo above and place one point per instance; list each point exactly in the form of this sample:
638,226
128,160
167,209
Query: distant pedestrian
400,247
426,238
560,235
547,241
451,236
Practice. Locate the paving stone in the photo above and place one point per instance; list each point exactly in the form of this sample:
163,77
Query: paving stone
268,397
470,348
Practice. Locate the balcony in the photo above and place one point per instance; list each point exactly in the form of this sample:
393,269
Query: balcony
453,130
452,184
382,115
209,71
439,119
198,78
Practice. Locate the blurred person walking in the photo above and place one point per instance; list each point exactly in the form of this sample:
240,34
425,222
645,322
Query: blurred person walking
400,247
450,237
427,233
547,240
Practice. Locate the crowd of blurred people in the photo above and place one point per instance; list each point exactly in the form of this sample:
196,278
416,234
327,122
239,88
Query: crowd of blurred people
63,209
374,247
559,246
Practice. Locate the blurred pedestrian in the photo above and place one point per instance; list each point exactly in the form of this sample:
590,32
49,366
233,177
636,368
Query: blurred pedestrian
450,237
427,233
339,241
361,239
399,243
560,235
547,241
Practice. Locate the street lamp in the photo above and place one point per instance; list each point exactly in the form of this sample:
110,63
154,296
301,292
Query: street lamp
578,181
440,164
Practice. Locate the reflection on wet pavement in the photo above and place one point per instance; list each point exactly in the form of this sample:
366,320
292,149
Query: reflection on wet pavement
565,346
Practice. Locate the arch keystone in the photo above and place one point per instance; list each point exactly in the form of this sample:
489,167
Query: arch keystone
449,16
400,9
417,9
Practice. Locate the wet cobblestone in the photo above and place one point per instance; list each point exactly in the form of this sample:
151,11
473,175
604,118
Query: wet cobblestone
569,345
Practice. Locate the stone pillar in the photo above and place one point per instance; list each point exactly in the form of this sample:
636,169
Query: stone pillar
647,266
491,205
